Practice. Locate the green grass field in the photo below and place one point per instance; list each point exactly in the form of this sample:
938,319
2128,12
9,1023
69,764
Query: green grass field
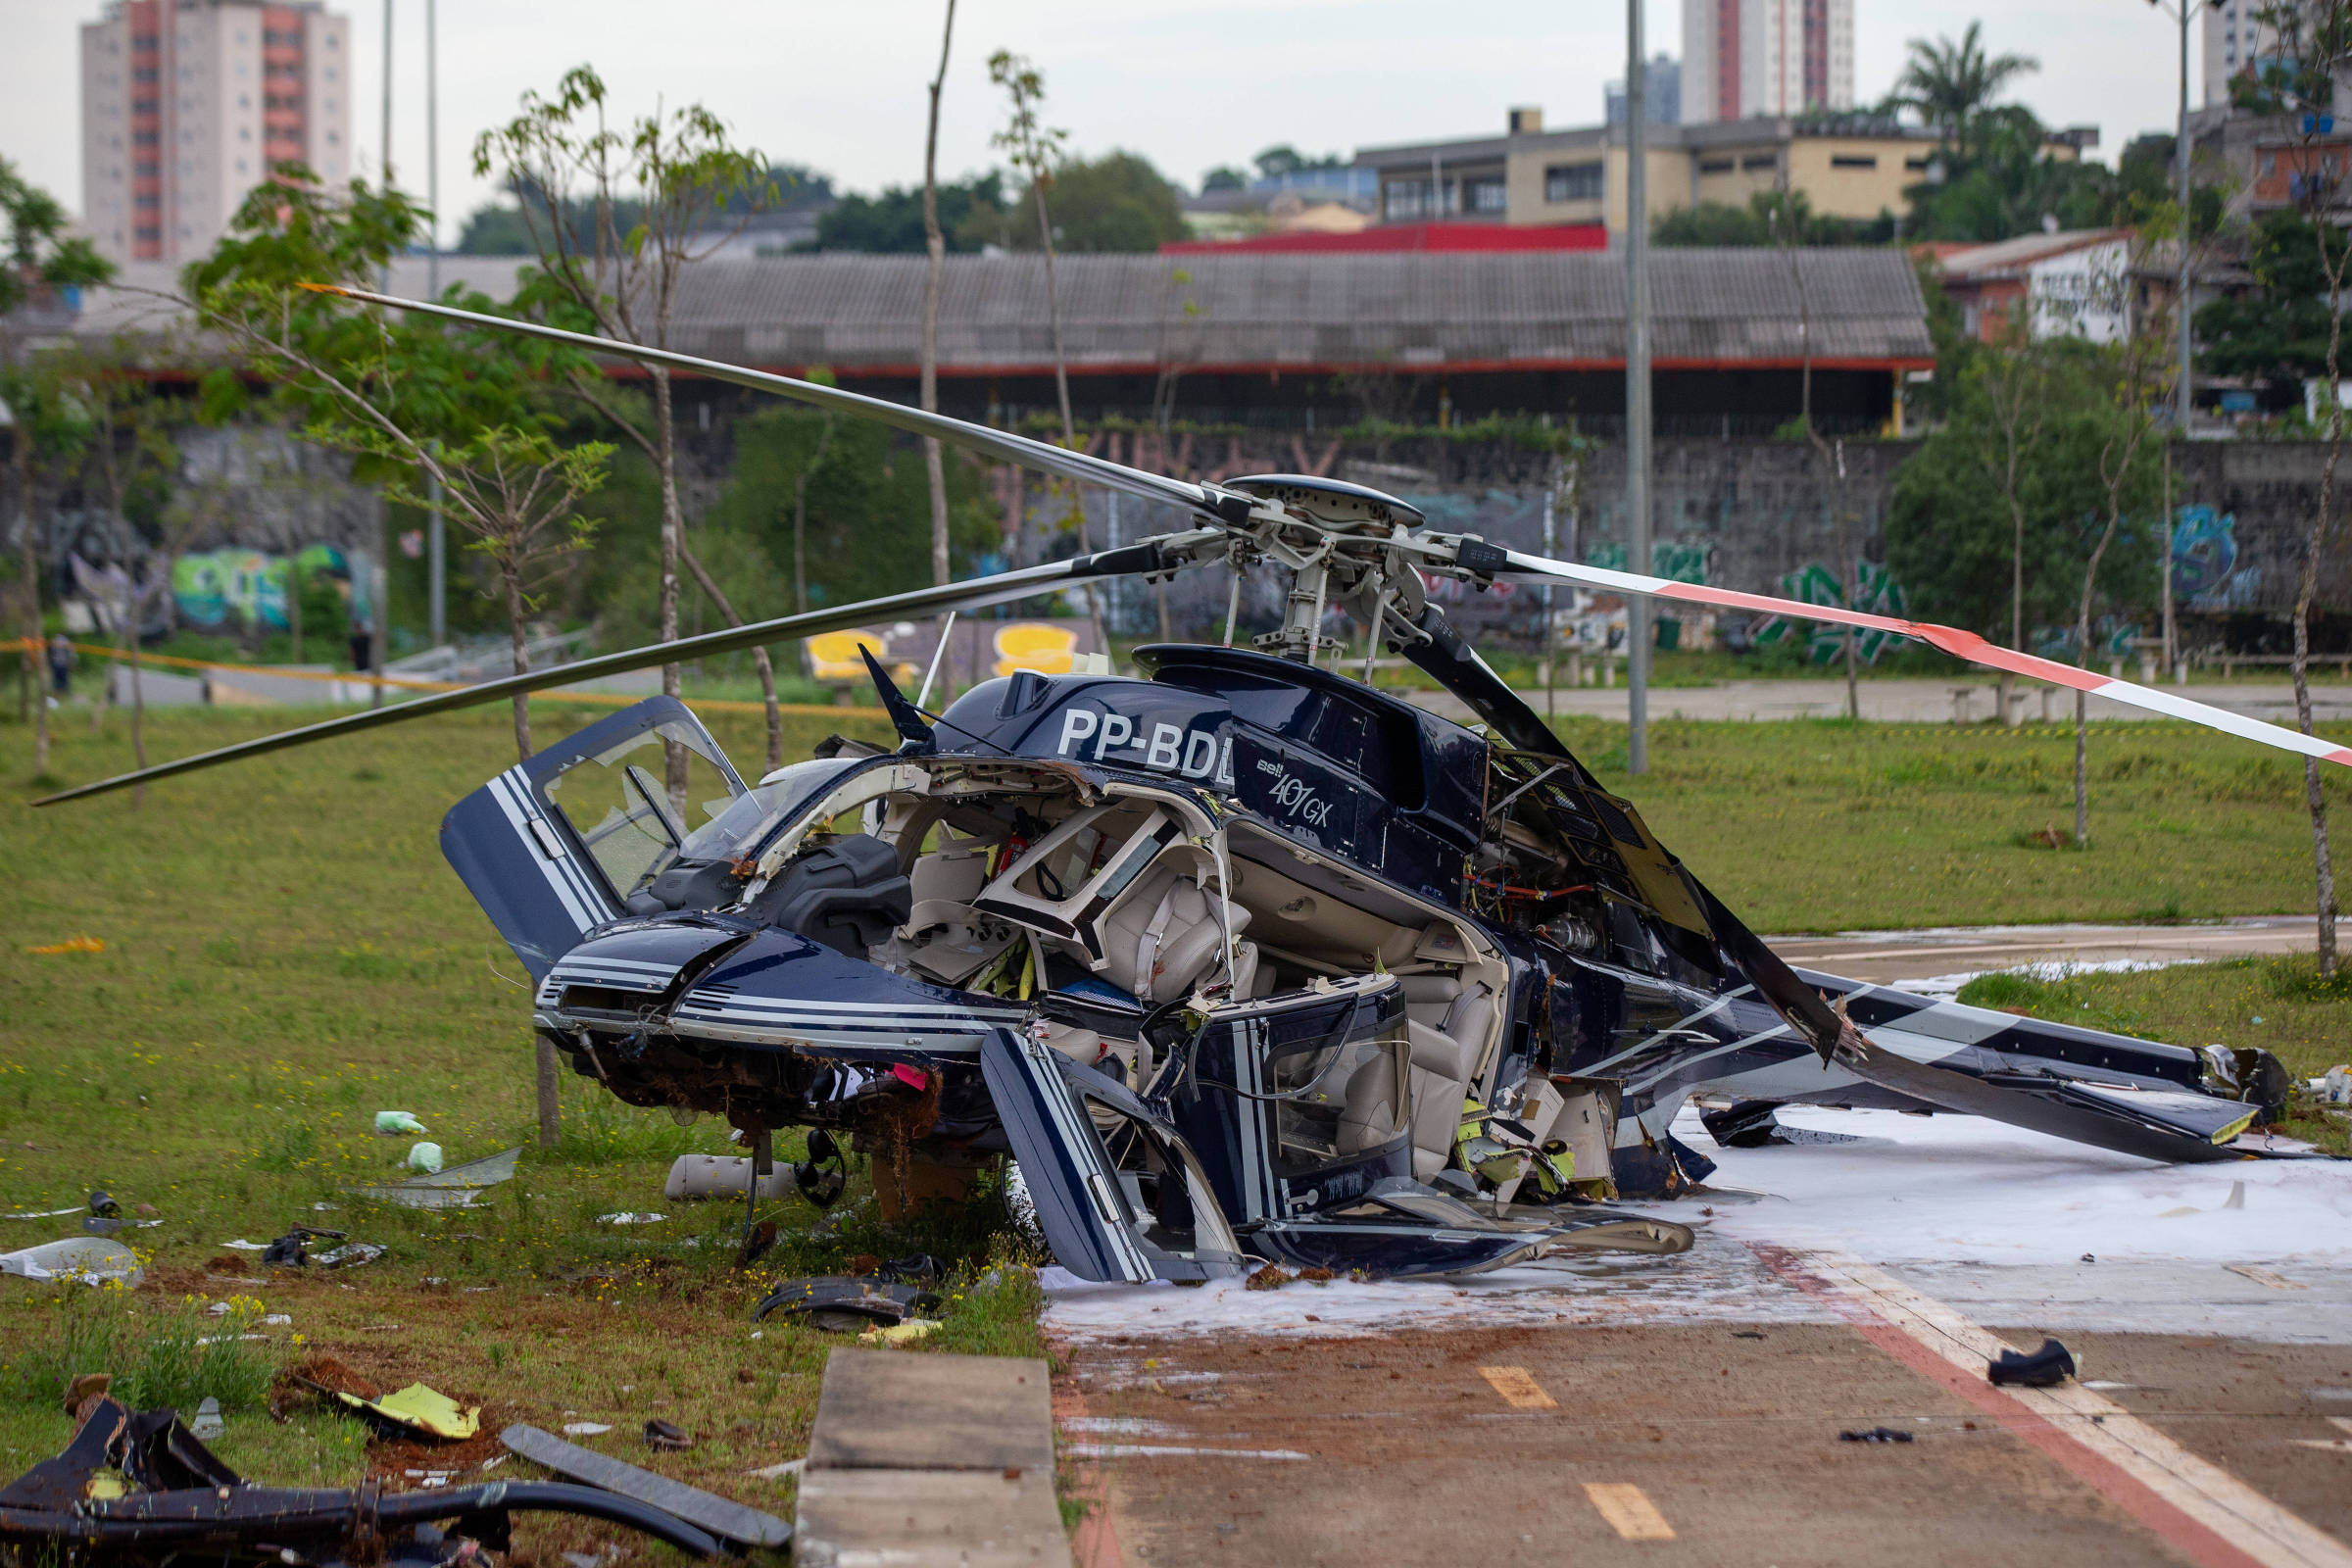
287,953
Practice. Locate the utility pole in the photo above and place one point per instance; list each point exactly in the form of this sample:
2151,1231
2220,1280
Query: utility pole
2183,393
436,529
380,576
1636,389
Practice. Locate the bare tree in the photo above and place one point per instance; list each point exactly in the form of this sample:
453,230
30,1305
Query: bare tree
677,172
935,248
1788,222
2315,37
2131,373
1036,149
2015,377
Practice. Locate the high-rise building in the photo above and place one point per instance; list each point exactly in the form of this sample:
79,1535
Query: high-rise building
2239,40
1747,59
186,105
1662,81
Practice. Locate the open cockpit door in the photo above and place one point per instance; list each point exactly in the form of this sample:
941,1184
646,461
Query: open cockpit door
558,844
1118,1190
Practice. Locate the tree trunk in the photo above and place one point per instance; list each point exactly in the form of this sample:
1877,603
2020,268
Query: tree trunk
2090,577
2315,799
760,658
138,718
294,604
673,534
511,578
935,246
34,644
1062,390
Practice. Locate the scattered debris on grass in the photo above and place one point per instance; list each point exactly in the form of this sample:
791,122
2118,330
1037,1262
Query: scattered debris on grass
425,1158
839,1304
394,1123
668,1437
70,945
626,1218
91,1259
206,1423
585,1429
352,1255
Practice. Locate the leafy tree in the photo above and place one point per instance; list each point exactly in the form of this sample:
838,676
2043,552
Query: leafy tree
2005,186
859,493
1116,203
41,255
1224,178
892,223
1991,523
1768,216
2315,48
1036,149
2280,332
1285,159
409,399
1950,83
689,177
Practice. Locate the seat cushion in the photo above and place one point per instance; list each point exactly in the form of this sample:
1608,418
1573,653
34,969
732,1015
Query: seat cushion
1167,923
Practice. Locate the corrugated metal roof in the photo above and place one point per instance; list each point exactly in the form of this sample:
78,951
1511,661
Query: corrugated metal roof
1203,311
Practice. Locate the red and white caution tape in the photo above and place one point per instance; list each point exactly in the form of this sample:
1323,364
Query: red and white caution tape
1950,639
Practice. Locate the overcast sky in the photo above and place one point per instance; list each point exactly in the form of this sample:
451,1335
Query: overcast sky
1189,84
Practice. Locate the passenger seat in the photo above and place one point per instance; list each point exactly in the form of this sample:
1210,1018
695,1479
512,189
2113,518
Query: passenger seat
1447,1026
1164,936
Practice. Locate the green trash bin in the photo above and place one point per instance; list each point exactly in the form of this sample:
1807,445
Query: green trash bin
1670,634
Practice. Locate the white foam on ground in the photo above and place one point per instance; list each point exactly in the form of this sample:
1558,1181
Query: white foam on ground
1962,1188
1992,1216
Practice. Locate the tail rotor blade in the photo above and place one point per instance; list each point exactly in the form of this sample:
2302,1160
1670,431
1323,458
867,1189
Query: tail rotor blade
1153,556
1062,463
1949,639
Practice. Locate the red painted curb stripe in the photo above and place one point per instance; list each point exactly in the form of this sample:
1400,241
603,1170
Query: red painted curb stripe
1095,1544
2189,1536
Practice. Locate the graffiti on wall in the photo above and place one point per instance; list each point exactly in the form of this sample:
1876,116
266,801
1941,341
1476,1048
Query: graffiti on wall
1876,593
2205,562
225,587
1669,559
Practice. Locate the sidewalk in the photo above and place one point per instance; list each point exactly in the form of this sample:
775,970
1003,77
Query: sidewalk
1901,702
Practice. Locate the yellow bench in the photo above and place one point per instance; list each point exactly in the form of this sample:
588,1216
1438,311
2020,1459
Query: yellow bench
1036,647
833,658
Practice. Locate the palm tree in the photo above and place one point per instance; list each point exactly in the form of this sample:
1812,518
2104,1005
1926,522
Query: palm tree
1950,83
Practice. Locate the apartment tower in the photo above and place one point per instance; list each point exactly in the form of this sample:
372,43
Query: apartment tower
186,105
1751,58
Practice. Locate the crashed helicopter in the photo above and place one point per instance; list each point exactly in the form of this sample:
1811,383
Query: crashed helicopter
1241,959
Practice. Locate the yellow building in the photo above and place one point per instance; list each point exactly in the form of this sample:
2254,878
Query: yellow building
1850,167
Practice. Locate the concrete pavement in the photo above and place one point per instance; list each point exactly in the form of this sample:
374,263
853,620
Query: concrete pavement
1905,702
1892,957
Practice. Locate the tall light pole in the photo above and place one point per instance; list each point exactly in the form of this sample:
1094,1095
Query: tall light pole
2183,389
1636,388
436,530
380,576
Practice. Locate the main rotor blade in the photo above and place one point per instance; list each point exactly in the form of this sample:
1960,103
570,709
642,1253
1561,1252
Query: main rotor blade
1950,639
980,592
1060,461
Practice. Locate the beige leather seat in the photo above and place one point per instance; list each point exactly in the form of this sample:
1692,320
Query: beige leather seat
1447,1026
1164,936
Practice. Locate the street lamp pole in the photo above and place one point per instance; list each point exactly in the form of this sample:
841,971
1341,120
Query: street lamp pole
2184,401
1636,389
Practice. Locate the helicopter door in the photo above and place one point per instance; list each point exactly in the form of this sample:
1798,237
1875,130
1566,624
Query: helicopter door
1118,1190
555,846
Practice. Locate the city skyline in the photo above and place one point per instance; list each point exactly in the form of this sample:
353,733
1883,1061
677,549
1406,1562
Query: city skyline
1167,81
